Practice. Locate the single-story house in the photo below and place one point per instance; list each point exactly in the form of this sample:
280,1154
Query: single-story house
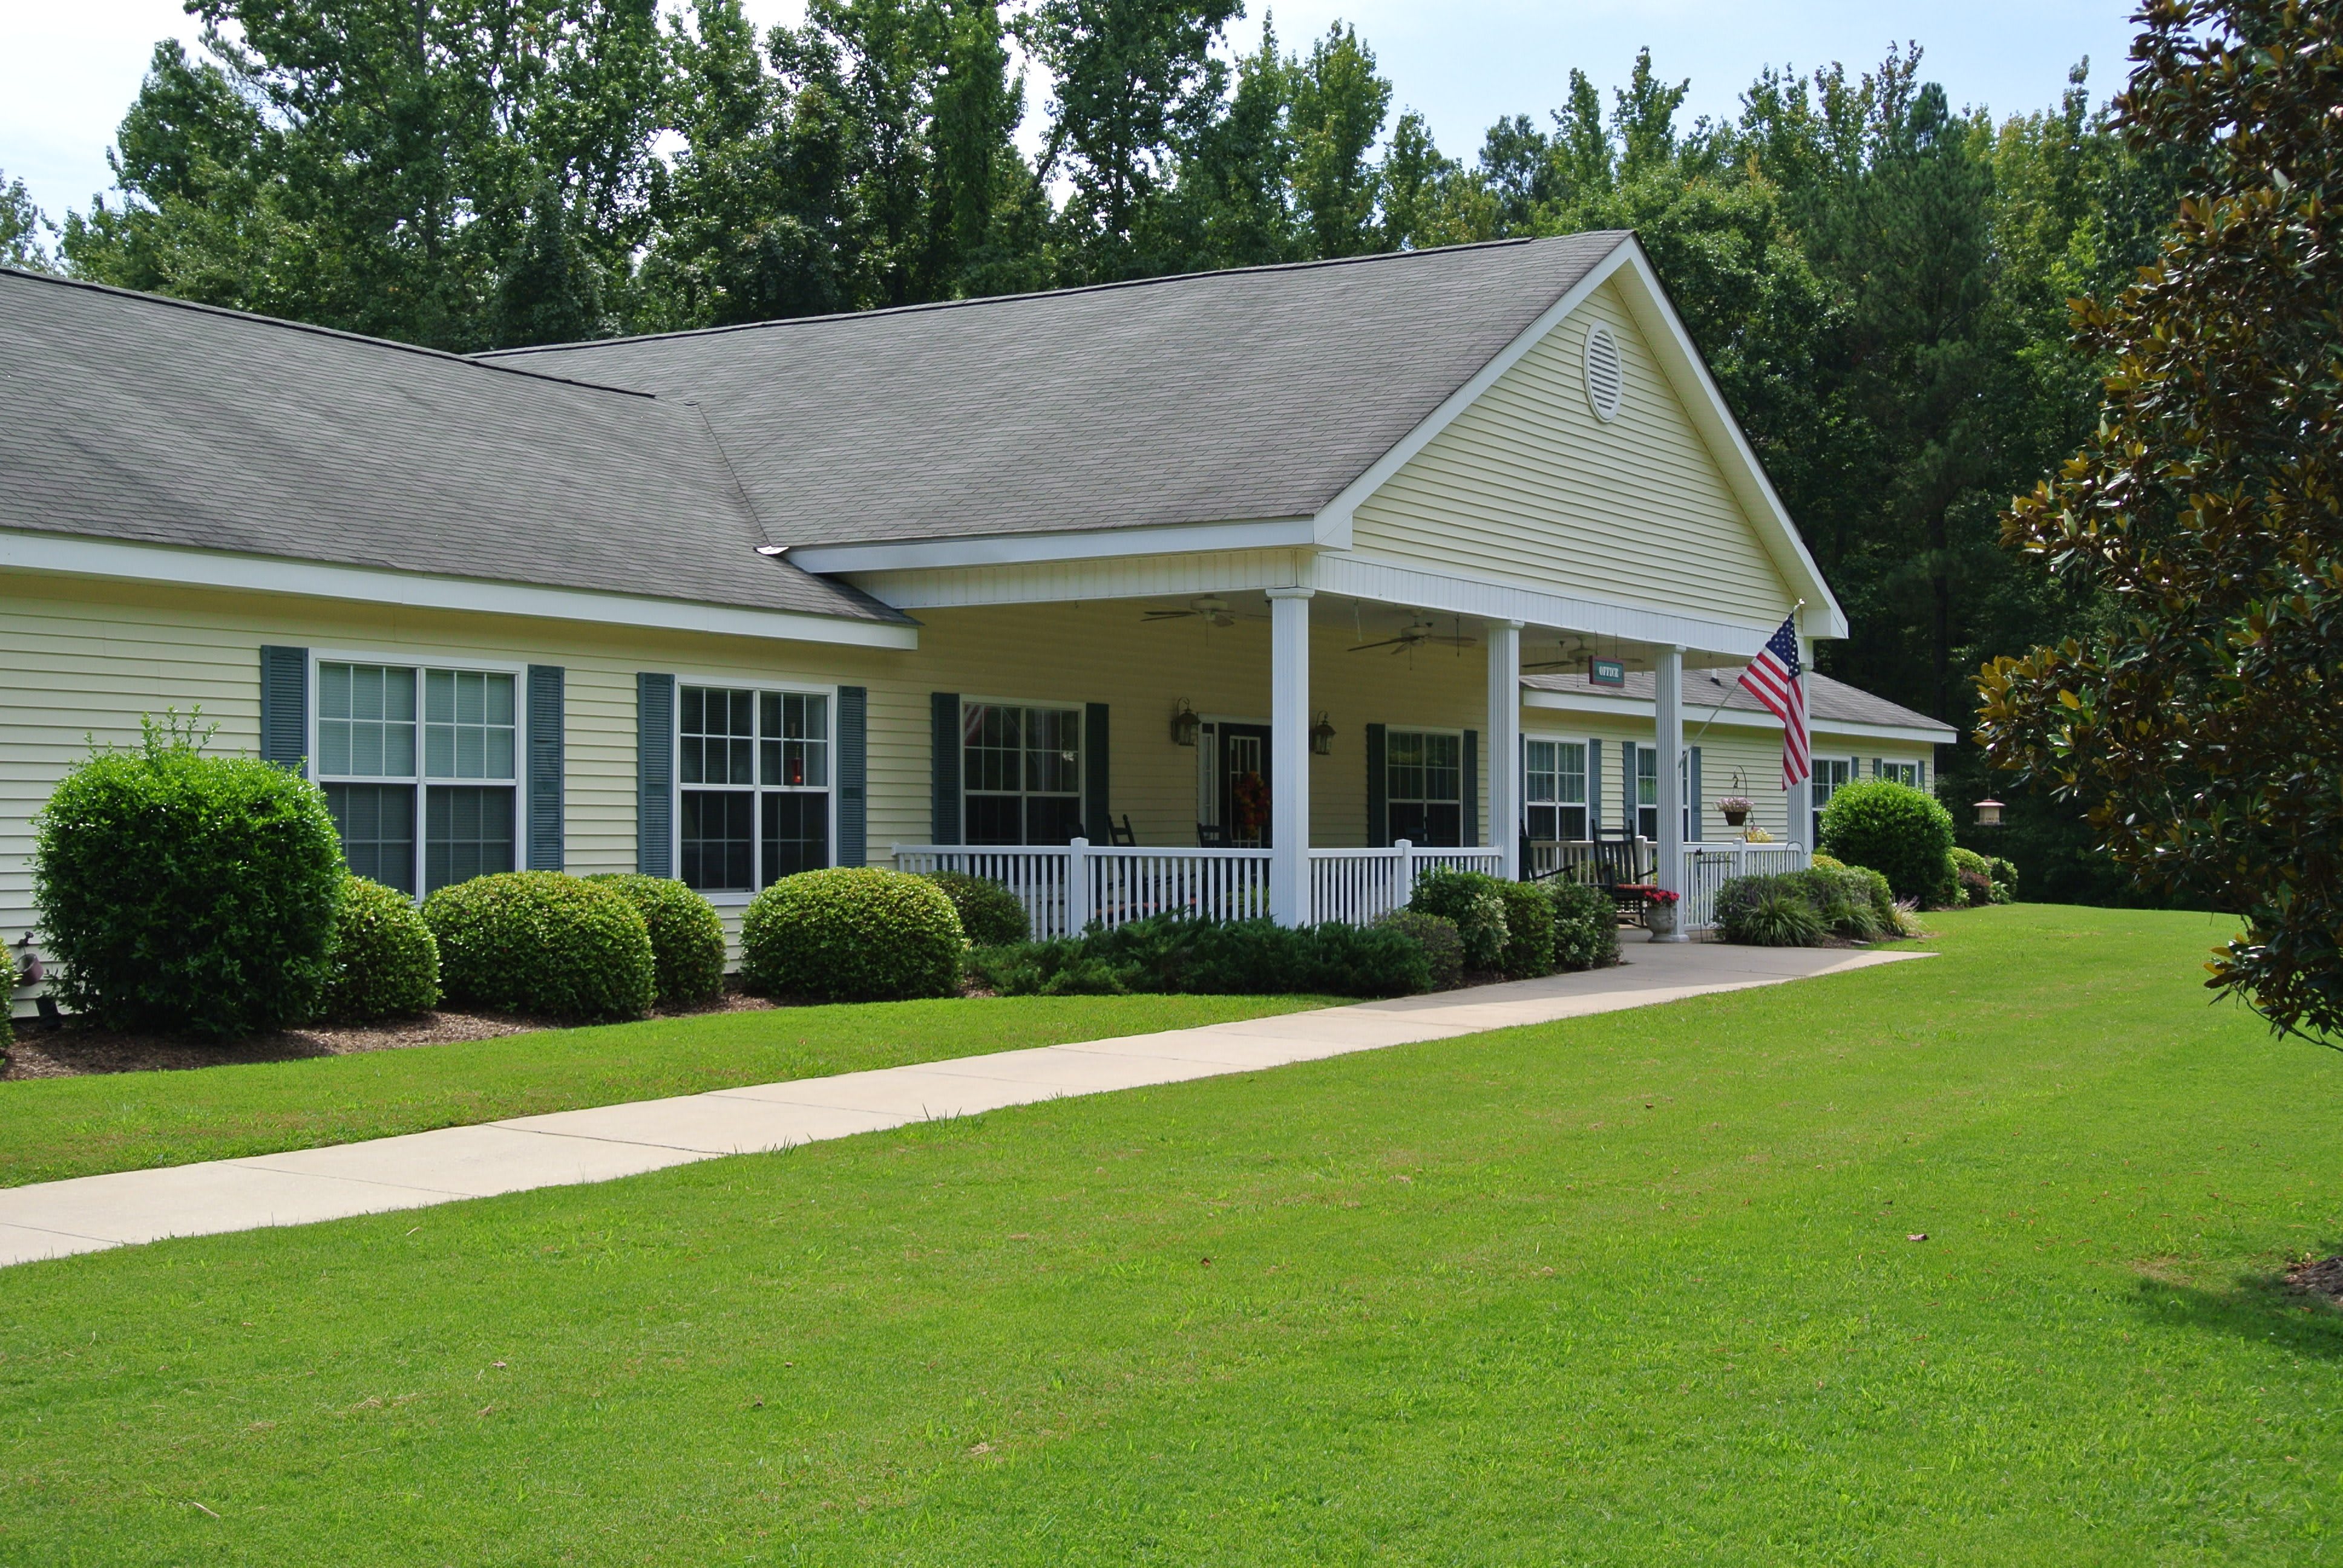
1220,592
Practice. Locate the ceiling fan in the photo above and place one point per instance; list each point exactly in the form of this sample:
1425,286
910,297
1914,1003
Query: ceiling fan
1569,654
1213,609
1415,635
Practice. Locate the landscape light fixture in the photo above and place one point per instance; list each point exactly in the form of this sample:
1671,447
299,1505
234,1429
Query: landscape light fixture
1322,737
1184,724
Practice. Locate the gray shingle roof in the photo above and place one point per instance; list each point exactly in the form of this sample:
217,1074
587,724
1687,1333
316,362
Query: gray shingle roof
127,416
1828,701
1212,397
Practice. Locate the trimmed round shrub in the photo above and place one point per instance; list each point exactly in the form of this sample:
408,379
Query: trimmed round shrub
852,933
1475,901
1975,877
1444,949
185,892
989,914
542,942
2005,879
1823,862
1903,834
1586,926
384,960
1528,951
686,937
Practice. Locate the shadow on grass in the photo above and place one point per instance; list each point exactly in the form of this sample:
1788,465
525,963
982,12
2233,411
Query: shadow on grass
2257,1305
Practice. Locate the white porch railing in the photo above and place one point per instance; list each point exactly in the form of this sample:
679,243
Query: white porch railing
1066,887
1708,866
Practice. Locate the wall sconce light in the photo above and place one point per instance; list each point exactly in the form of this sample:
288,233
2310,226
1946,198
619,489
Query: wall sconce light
1322,737
1989,813
1184,724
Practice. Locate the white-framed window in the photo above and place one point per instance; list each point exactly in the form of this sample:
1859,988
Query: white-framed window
1646,785
1900,772
1831,775
419,763
1553,789
752,785
1423,786
1020,773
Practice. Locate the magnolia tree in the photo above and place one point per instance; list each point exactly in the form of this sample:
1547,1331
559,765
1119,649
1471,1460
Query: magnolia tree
2202,723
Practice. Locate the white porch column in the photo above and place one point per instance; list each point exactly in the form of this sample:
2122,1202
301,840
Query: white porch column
1668,712
1289,755
1505,743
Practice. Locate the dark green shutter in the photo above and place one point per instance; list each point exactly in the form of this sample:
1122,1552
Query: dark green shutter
545,737
1878,768
853,775
285,706
1469,818
1594,789
1692,793
1630,818
1923,773
655,775
1098,826
1378,790
943,708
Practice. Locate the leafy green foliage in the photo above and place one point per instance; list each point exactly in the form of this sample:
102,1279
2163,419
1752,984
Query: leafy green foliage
686,937
1903,834
1530,919
24,228
2197,726
543,943
1444,949
852,933
989,914
185,892
1231,957
1586,926
1475,902
8,978
1771,911
2005,879
384,961
1975,875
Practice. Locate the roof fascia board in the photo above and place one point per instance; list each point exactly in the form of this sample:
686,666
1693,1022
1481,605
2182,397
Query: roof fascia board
1656,315
1021,549
1730,717
1335,519
1347,574
74,556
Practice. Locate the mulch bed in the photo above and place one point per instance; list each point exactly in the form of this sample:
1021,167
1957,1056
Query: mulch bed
74,1049
2317,1277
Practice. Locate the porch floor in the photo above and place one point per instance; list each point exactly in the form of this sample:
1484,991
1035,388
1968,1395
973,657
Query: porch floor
92,1213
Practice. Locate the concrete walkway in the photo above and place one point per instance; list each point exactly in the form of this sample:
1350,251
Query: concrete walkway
90,1212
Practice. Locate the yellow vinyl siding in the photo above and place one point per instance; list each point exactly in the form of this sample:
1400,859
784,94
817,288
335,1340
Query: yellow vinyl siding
1527,486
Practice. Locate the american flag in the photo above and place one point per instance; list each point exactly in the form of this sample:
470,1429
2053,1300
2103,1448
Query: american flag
1774,678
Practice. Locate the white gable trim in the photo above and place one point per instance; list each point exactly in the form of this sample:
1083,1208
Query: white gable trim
1021,549
79,556
1688,373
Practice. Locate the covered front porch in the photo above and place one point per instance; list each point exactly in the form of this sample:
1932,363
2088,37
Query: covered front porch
1287,751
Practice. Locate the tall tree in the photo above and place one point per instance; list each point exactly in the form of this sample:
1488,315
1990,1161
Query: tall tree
1134,79
2197,722
1231,202
1338,110
25,229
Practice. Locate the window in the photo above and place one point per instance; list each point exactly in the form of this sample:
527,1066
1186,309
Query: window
1647,792
1554,793
1021,774
1831,774
1423,796
1901,772
753,774
400,746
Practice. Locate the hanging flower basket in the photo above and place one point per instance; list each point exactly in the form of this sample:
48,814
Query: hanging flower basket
1736,808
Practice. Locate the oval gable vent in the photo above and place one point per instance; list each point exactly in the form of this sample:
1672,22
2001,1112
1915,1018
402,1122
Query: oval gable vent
1606,373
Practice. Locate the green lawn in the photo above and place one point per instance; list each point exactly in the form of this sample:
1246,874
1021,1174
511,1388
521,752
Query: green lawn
57,1127
1628,1290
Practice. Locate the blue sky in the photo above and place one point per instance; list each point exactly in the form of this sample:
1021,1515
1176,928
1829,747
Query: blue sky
68,68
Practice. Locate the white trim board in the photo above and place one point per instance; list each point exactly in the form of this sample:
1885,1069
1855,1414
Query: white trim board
1021,549
70,555
1694,714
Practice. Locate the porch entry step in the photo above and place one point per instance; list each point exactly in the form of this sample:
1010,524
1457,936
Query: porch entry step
569,1148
